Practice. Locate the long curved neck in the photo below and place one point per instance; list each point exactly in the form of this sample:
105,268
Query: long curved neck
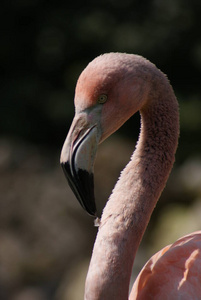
134,197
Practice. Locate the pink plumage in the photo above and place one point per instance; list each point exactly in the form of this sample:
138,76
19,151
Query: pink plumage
126,83
172,273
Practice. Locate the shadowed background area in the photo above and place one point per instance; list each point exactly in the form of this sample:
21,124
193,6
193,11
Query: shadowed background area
46,238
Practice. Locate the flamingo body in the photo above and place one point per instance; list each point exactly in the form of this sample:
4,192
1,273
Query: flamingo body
109,91
172,273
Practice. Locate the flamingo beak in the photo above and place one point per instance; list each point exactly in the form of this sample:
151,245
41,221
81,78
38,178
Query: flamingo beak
77,160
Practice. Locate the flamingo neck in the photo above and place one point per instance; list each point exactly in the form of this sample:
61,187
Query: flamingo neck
133,199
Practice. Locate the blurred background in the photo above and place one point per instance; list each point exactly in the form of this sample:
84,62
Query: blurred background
46,238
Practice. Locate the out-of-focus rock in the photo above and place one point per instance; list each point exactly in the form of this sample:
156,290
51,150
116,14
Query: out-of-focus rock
46,238
30,293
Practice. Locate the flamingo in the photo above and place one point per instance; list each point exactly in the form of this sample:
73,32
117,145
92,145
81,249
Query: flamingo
112,88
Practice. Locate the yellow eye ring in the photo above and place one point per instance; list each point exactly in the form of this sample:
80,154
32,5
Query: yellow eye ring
102,98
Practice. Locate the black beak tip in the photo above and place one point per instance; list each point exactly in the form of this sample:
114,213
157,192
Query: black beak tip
82,185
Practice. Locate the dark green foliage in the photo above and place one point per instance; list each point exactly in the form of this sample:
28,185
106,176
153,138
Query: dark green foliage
46,44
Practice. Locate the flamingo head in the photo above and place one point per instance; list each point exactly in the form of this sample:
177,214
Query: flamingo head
108,92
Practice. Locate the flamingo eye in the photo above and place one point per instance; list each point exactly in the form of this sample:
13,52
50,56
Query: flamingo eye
102,98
